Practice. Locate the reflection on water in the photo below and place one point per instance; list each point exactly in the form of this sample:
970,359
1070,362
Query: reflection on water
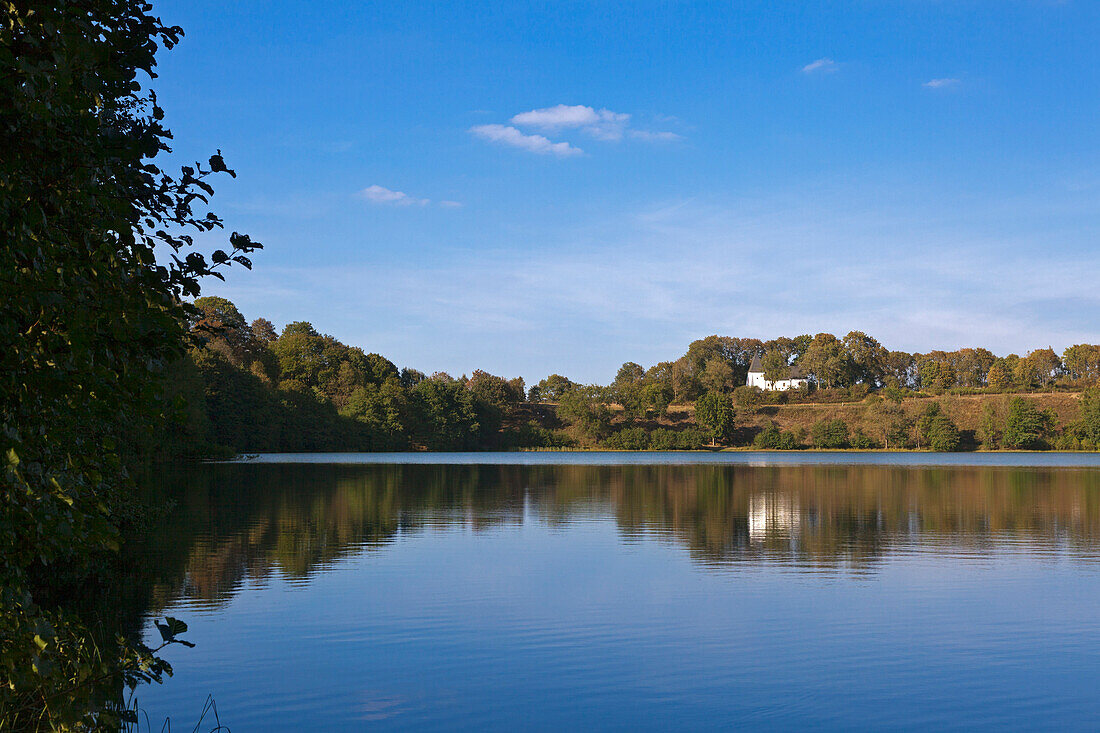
327,597
773,515
235,523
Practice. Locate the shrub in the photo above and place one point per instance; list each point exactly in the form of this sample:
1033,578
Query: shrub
829,434
767,439
629,439
746,396
858,391
787,441
861,441
1026,426
936,430
1090,415
771,438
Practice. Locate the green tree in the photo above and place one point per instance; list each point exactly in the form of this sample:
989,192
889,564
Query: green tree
989,428
1026,426
446,416
775,366
1082,361
497,391
936,374
826,361
91,319
264,331
887,420
656,397
1090,415
829,434
1026,373
553,388
936,430
629,373
715,414
384,409
717,375
867,357
585,409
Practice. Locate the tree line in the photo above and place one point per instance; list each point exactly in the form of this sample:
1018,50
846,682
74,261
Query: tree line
254,389
720,364
262,390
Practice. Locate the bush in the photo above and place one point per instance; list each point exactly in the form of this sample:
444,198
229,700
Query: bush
629,439
936,430
1090,415
767,439
1026,426
787,441
858,391
665,439
746,396
861,441
830,434
771,438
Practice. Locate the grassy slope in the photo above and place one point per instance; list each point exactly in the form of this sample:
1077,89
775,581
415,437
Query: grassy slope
964,410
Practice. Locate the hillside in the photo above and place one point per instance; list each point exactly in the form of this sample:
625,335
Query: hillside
964,411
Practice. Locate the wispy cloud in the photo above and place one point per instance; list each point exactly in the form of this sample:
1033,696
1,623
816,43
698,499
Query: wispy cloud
507,135
654,137
383,196
941,83
451,204
821,66
595,293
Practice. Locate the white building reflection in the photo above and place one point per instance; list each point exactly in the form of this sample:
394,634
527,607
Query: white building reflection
773,515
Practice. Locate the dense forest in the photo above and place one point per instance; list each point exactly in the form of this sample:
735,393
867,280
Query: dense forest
252,388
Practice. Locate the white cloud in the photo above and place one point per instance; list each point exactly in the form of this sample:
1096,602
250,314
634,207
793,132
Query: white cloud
451,204
603,124
381,195
507,135
941,83
562,115
821,66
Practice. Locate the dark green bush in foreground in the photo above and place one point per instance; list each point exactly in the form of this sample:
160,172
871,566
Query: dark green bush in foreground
90,324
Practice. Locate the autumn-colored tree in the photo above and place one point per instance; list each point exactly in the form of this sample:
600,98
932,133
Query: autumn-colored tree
1082,361
887,420
999,376
867,357
1046,365
826,360
775,366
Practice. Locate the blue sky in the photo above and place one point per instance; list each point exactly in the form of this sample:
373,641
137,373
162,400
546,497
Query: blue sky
561,187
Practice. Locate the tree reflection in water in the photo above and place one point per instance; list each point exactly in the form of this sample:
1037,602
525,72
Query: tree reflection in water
238,522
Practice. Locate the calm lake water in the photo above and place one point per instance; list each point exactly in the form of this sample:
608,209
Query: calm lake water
633,591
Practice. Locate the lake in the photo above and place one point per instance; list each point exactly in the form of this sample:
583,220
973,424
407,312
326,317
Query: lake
555,591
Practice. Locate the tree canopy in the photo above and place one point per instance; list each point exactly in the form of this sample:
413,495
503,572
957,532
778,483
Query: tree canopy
97,261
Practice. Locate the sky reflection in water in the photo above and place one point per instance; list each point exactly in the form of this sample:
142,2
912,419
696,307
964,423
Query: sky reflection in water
327,597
